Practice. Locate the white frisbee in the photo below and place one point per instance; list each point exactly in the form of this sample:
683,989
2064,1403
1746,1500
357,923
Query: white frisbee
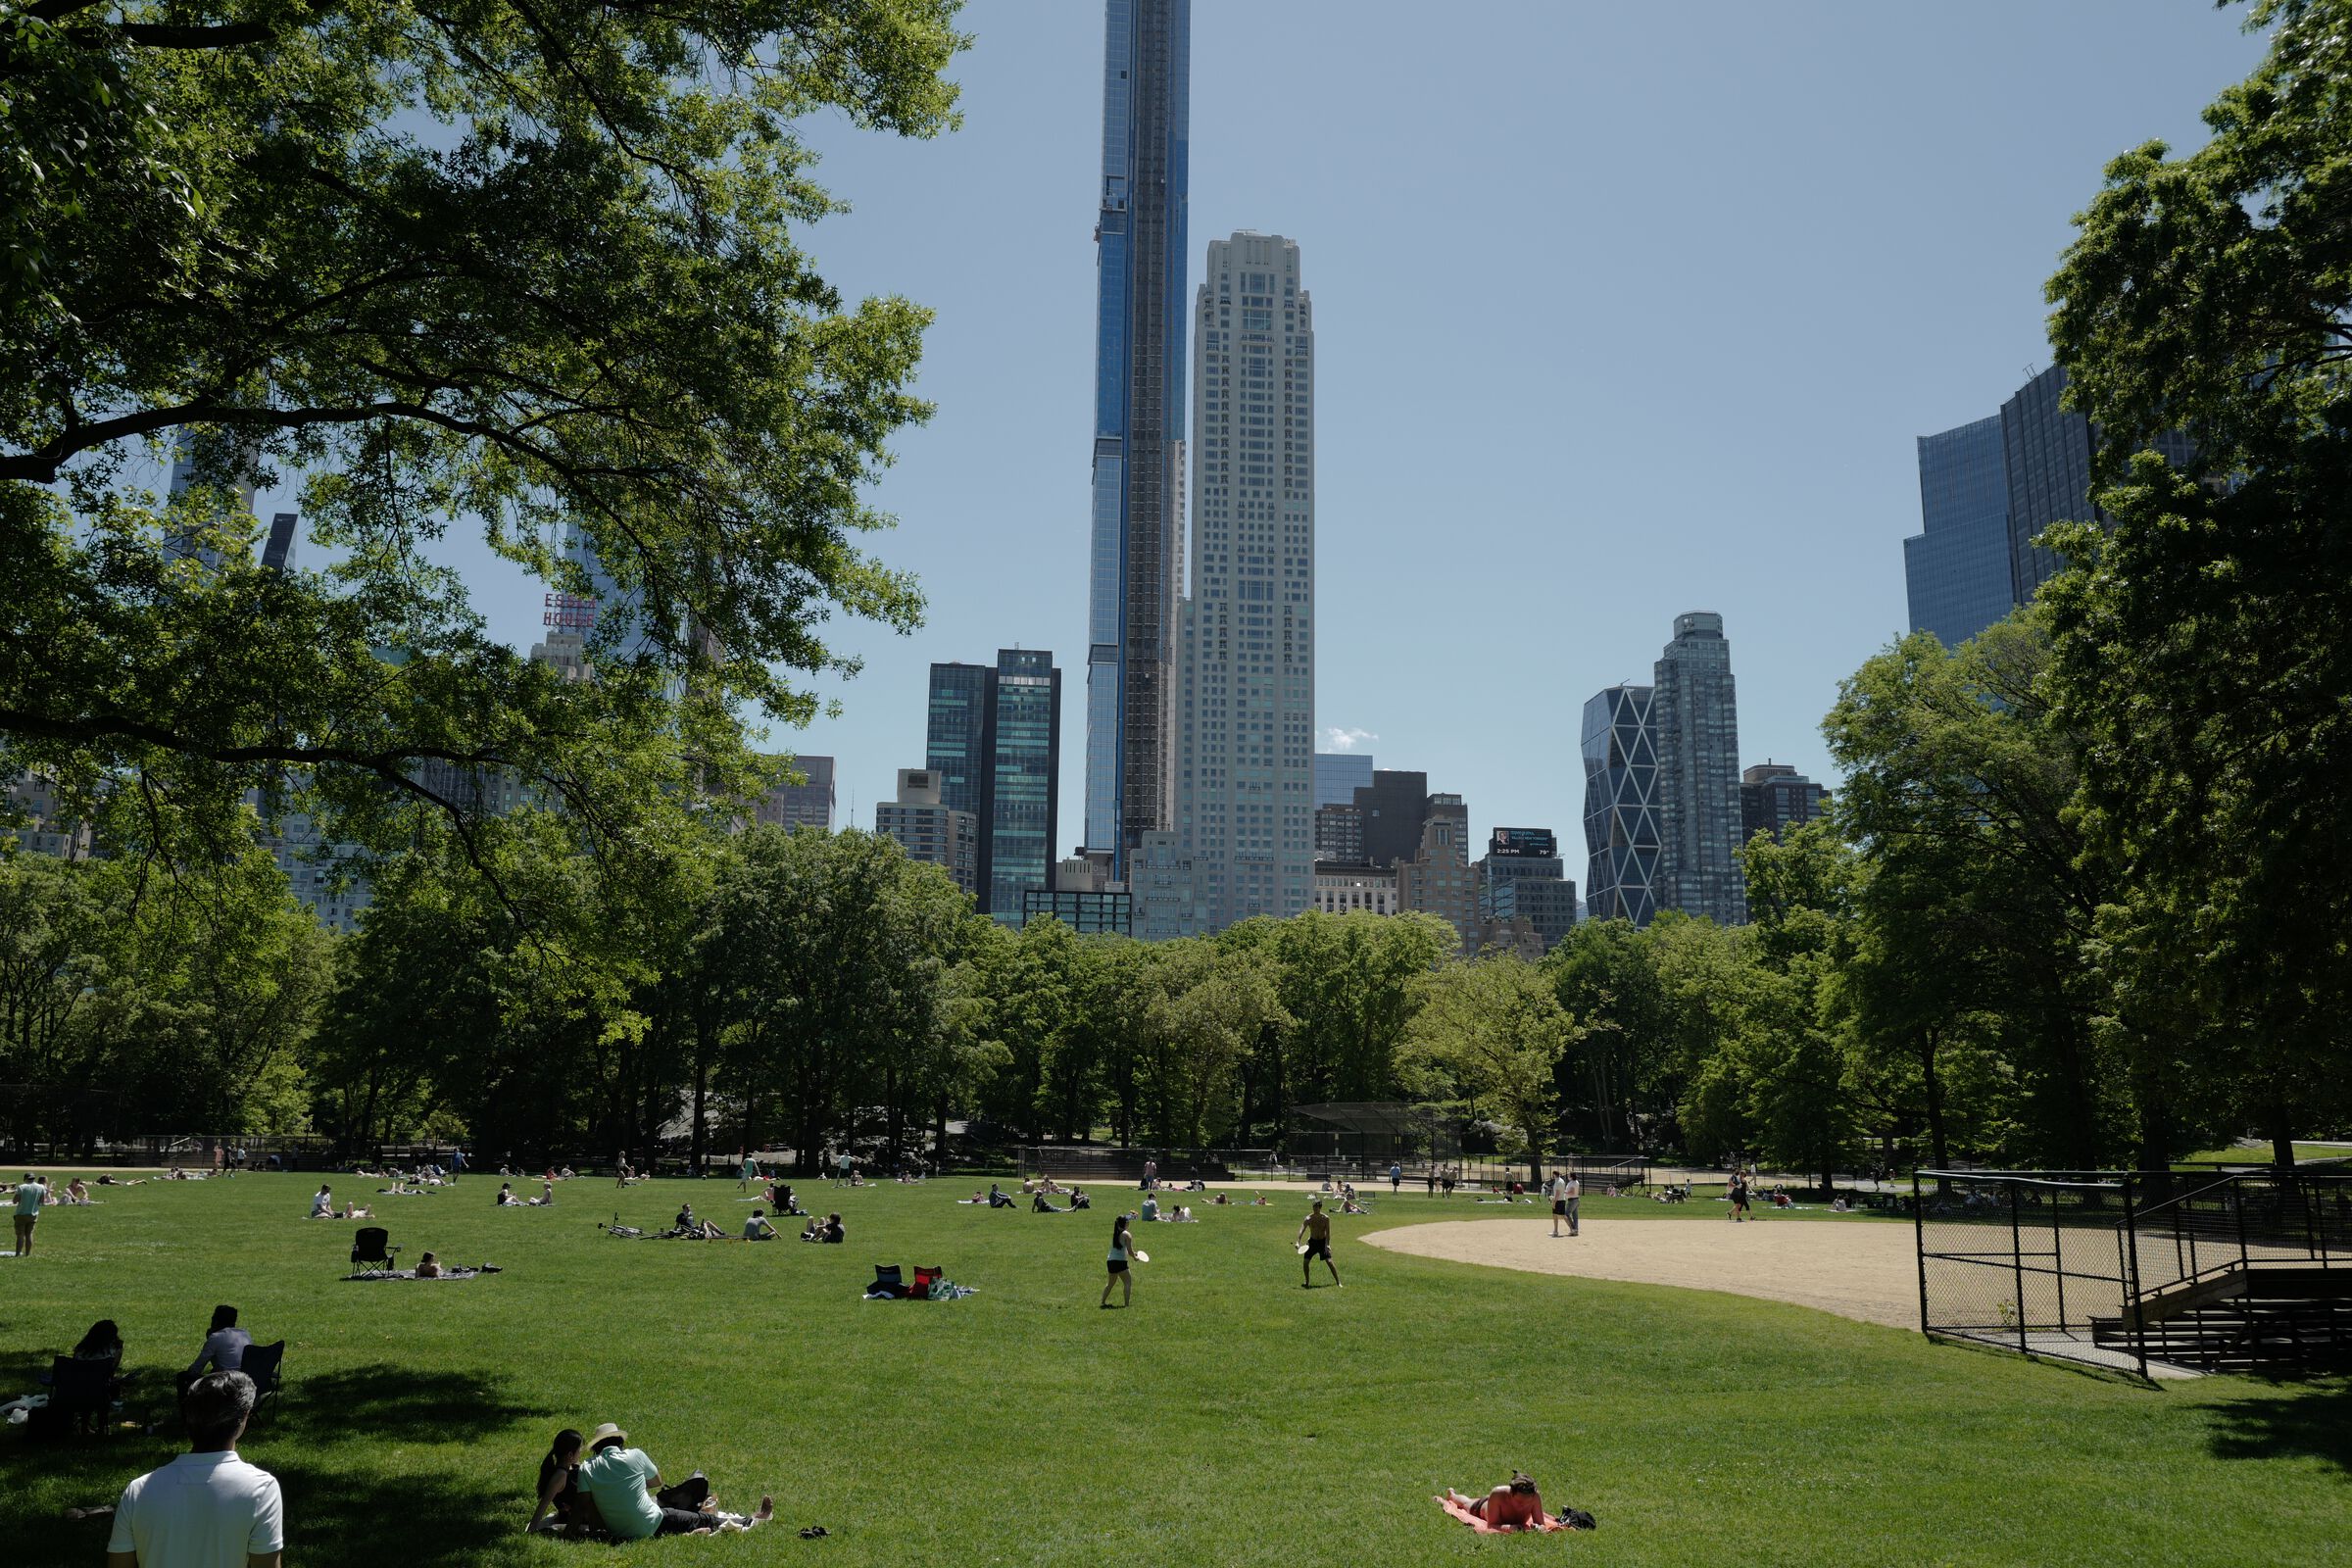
1299,1248
1142,1258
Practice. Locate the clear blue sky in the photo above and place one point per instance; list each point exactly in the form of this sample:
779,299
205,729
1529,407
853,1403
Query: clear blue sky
1622,310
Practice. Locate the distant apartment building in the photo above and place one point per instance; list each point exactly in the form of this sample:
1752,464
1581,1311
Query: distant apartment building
1541,907
1775,797
1694,714
1523,895
1621,805
1338,833
1084,896
1439,877
42,826
805,805
1344,889
930,830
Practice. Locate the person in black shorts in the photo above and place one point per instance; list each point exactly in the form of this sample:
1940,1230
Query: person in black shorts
1738,1193
1122,1249
1315,1232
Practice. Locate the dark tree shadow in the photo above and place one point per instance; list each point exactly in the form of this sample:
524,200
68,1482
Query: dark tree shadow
2312,1422
340,1508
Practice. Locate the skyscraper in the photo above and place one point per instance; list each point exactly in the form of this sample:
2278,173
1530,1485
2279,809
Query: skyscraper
1439,877
1246,724
2046,452
1022,814
1136,537
993,742
1621,805
1775,797
1695,716
1956,568
795,805
1513,853
1393,809
1339,776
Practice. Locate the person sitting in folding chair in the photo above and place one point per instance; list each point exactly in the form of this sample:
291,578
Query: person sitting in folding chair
225,1348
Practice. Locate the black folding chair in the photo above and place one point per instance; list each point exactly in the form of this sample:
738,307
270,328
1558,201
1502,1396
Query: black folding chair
369,1256
888,1280
78,1390
264,1364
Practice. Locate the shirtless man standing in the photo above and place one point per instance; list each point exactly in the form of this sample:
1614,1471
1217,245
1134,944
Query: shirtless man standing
1315,1232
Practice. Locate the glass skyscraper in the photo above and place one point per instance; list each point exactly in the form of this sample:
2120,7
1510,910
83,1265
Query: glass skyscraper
1694,715
1340,774
992,745
1245,786
1956,568
1621,805
1136,541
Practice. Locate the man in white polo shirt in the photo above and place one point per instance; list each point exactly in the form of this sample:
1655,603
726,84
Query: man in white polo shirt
208,1508
1565,1191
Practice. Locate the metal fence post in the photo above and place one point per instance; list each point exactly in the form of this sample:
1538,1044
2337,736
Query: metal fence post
2237,1201
2016,1260
1919,1231
2130,1261
2058,1266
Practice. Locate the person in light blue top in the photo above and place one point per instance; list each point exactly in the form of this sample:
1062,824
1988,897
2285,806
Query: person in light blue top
633,1502
30,1195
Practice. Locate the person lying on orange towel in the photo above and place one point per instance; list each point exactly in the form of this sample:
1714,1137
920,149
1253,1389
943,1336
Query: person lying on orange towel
1516,1506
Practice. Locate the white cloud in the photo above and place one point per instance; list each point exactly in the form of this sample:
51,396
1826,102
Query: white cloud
1336,738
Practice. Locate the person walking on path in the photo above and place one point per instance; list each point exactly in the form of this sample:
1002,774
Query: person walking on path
1122,1253
1151,1174
207,1506
30,1199
1738,1193
1315,1232
1396,1177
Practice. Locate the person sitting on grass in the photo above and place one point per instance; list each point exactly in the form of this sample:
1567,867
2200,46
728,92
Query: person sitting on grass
998,1198
831,1229
546,1195
1079,1200
562,1505
1151,1212
1039,1206
323,1202
428,1267
1513,1506
75,1192
757,1229
634,1504
1181,1214
506,1196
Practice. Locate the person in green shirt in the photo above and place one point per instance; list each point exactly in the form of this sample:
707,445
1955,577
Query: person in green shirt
30,1199
628,1492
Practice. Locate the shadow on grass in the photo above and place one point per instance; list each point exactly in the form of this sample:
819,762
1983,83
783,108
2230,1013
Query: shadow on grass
323,1438
2303,1420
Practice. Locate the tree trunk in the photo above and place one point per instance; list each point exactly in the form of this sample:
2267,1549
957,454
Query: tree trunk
702,1098
2282,1136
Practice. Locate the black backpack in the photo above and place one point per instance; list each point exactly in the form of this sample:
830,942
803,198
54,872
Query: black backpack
1578,1519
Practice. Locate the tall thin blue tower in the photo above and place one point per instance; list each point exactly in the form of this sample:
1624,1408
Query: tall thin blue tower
1138,517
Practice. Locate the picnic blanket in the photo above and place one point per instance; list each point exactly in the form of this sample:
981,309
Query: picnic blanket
1456,1511
409,1274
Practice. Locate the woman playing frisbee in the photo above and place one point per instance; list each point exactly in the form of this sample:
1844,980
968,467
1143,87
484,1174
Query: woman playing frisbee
1122,1248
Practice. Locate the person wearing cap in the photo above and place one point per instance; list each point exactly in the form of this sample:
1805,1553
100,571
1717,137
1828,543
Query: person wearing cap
634,1505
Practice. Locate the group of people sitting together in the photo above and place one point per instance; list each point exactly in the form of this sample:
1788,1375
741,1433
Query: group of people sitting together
323,1207
507,1198
598,1484
688,1226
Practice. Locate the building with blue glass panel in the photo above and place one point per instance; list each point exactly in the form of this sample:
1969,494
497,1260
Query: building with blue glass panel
1956,569
1137,525
1621,805
993,743
1339,776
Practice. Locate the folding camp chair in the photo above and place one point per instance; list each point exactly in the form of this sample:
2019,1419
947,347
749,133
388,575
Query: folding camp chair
263,1363
925,1279
369,1252
886,1282
78,1389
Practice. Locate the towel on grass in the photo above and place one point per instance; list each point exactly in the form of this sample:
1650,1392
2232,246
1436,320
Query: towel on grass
1455,1510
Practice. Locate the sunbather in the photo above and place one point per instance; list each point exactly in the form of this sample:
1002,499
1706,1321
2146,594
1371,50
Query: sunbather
428,1267
629,1494
1039,1206
1516,1506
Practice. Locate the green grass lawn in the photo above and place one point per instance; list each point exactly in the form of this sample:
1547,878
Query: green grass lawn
1229,1418
2257,1153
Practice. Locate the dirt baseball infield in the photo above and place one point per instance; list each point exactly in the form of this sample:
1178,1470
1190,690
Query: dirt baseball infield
1863,1270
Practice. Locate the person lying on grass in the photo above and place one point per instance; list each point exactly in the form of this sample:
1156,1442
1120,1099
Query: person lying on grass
633,1502
1039,1206
1516,1506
